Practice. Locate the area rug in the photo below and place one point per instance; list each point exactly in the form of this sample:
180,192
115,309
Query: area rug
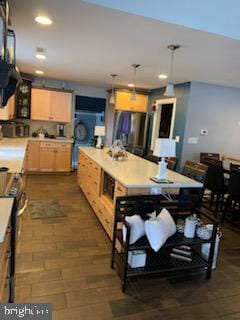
45,209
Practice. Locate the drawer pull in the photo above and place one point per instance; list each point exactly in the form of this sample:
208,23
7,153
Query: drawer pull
94,201
95,182
119,189
100,211
107,221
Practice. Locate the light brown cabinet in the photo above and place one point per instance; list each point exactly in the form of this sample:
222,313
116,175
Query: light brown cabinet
51,105
124,102
33,151
49,156
7,113
89,180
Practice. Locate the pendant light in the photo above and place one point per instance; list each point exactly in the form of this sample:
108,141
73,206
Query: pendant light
112,97
169,92
133,95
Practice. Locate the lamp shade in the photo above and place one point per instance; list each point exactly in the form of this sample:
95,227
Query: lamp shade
165,148
99,131
112,99
169,92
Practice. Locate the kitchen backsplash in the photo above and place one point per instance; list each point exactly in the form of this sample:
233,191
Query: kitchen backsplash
50,127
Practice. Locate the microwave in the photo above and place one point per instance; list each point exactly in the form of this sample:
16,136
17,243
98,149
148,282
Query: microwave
15,130
108,186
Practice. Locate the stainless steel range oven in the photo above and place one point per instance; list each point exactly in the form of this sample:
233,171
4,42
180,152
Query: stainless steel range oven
15,189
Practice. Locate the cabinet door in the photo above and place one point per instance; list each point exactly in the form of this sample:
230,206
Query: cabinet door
33,156
61,106
7,112
41,104
62,160
141,103
47,160
124,102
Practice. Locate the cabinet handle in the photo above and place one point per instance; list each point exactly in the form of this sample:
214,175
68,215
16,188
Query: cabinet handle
94,201
119,189
107,221
100,211
95,182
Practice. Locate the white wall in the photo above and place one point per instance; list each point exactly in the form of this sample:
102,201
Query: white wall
217,109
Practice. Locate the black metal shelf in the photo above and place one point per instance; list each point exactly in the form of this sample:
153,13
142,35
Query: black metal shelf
162,263
177,239
159,262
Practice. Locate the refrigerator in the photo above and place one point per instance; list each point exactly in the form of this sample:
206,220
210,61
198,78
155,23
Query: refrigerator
131,128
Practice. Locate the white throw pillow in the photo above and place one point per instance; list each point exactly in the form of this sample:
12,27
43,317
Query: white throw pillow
159,229
137,228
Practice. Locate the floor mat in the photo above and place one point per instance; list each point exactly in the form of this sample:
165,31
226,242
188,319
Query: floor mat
45,209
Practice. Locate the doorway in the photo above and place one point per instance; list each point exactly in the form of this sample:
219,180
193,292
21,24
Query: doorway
164,119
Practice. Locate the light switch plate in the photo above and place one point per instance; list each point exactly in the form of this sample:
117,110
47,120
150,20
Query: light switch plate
177,138
193,140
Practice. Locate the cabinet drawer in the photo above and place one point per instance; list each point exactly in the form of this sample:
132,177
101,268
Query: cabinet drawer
64,146
106,219
55,145
120,190
95,169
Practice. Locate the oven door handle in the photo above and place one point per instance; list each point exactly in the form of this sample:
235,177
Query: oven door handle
20,212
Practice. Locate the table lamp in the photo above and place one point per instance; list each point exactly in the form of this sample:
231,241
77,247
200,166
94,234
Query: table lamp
99,131
163,148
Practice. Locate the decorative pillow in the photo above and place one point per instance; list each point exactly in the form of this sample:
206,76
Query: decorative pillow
159,229
137,228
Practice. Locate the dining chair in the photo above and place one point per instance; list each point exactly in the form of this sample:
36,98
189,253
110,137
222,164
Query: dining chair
233,200
214,182
210,158
196,171
171,161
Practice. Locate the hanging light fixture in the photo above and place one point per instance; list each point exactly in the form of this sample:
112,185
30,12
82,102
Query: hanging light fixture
133,95
112,97
169,92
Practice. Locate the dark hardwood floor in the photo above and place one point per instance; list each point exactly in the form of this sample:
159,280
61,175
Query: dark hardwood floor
66,262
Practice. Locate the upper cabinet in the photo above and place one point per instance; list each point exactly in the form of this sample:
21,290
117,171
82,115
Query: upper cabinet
51,105
23,99
124,102
7,112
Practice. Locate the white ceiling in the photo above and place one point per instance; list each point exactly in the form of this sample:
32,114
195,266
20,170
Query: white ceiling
86,43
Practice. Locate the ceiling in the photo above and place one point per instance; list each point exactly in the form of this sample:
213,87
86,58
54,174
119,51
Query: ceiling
86,43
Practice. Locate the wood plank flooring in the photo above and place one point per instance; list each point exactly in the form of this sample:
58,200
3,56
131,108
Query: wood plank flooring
66,262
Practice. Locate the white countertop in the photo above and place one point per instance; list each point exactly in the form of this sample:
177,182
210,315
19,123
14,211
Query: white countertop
12,153
135,172
5,213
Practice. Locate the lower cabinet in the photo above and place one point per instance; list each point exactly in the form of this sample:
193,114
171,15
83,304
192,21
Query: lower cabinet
89,180
49,156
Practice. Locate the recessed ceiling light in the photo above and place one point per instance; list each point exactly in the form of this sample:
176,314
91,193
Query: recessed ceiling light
39,72
43,20
131,85
162,76
40,56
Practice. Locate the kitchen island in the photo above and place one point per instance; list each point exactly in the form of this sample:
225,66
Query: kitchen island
103,179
